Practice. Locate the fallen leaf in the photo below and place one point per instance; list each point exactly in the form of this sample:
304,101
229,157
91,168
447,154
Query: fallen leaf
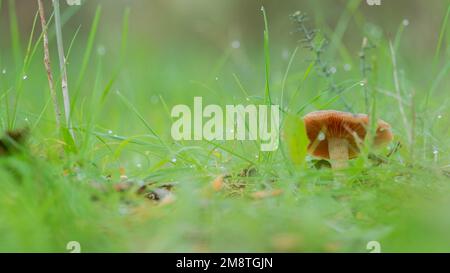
266,193
217,183
159,194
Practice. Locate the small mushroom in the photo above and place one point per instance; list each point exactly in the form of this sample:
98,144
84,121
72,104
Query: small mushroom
337,136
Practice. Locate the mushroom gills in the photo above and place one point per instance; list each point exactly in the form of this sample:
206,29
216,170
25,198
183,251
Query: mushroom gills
338,151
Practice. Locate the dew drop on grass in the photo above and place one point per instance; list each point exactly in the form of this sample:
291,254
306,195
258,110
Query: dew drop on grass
285,54
439,116
436,154
25,77
362,83
110,132
139,165
235,44
174,160
101,50
405,22
217,78
123,210
4,71
333,70
80,176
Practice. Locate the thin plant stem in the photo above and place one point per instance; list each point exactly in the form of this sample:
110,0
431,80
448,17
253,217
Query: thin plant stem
398,91
62,66
48,65
363,67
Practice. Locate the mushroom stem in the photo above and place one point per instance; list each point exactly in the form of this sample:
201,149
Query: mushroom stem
338,150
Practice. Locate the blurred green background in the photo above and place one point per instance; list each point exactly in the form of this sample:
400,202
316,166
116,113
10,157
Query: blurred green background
179,49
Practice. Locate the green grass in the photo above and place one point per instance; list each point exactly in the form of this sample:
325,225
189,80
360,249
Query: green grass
53,191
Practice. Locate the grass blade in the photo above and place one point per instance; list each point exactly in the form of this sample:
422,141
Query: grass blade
15,33
266,57
63,68
48,65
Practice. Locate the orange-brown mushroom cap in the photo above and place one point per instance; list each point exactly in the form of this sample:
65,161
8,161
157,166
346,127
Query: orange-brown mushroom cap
326,124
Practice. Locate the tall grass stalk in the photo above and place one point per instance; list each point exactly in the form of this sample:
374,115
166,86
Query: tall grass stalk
398,91
48,65
342,26
413,124
364,69
317,44
441,36
87,53
15,33
29,53
62,66
266,57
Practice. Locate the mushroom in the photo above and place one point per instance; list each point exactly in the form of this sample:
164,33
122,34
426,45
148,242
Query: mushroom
337,135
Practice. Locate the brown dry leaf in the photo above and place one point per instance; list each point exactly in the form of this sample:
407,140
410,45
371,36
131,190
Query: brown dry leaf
266,193
217,183
141,190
